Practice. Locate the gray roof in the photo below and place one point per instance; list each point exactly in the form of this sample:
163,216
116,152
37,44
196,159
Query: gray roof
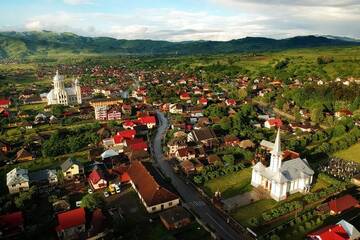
290,170
17,176
42,175
350,229
267,144
68,163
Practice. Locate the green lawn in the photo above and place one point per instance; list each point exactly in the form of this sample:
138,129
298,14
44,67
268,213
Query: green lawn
243,214
350,154
230,185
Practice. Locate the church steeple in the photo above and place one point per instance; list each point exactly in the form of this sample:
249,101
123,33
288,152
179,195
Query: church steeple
276,154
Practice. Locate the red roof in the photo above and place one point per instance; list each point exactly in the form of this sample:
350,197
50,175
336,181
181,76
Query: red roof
203,100
275,122
4,102
332,232
147,120
95,176
11,222
128,123
184,96
70,219
230,102
137,144
148,188
343,203
128,134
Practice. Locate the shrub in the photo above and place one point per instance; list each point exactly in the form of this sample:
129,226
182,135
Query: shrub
301,229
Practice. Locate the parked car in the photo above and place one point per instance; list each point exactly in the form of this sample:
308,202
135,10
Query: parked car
117,189
78,203
106,194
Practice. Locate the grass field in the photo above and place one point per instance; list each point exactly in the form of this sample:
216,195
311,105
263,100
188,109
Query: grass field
230,185
350,154
243,214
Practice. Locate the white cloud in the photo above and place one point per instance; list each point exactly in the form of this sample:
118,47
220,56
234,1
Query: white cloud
77,2
254,18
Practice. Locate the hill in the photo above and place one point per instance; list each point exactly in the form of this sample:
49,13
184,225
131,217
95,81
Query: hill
45,43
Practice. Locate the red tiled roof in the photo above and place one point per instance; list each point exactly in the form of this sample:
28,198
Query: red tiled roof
128,123
332,232
136,144
11,221
71,218
4,102
275,122
128,134
147,119
184,95
95,176
149,189
343,203
230,102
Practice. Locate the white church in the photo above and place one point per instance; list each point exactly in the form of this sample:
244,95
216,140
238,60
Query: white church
281,179
62,95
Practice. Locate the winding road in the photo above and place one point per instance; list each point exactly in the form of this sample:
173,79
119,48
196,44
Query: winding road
190,196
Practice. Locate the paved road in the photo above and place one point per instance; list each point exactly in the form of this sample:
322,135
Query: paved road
189,195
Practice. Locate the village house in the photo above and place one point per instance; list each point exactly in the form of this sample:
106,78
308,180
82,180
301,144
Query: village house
343,113
5,103
17,180
341,204
175,218
4,147
343,230
43,177
175,144
23,156
72,168
71,224
98,178
149,121
154,196
273,123
102,106
176,108
230,102
188,167
185,96
186,153
301,127
205,136
11,225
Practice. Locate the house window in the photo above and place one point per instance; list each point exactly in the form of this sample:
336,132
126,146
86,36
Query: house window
153,208
170,203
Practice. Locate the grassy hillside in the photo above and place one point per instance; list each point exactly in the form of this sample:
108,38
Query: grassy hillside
50,44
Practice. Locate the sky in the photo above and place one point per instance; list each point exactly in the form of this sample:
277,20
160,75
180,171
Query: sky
184,20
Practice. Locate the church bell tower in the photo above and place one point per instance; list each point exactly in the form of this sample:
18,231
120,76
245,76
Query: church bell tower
276,154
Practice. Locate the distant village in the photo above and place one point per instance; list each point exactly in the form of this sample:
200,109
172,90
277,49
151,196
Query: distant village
102,150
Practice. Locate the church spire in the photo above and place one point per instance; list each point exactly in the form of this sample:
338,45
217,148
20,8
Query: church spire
277,144
276,154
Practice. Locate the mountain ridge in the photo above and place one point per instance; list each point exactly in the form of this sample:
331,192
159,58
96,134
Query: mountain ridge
43,43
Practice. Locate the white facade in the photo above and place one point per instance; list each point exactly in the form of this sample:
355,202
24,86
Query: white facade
62,95
282,178
17,180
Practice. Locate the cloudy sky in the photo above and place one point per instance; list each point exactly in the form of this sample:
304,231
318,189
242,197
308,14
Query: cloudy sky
181,20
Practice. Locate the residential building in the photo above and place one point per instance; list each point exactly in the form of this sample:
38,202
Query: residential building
273,122
205,136
71,224
72,168
97,178
11,225
17,180
154,196
341,204
175,218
